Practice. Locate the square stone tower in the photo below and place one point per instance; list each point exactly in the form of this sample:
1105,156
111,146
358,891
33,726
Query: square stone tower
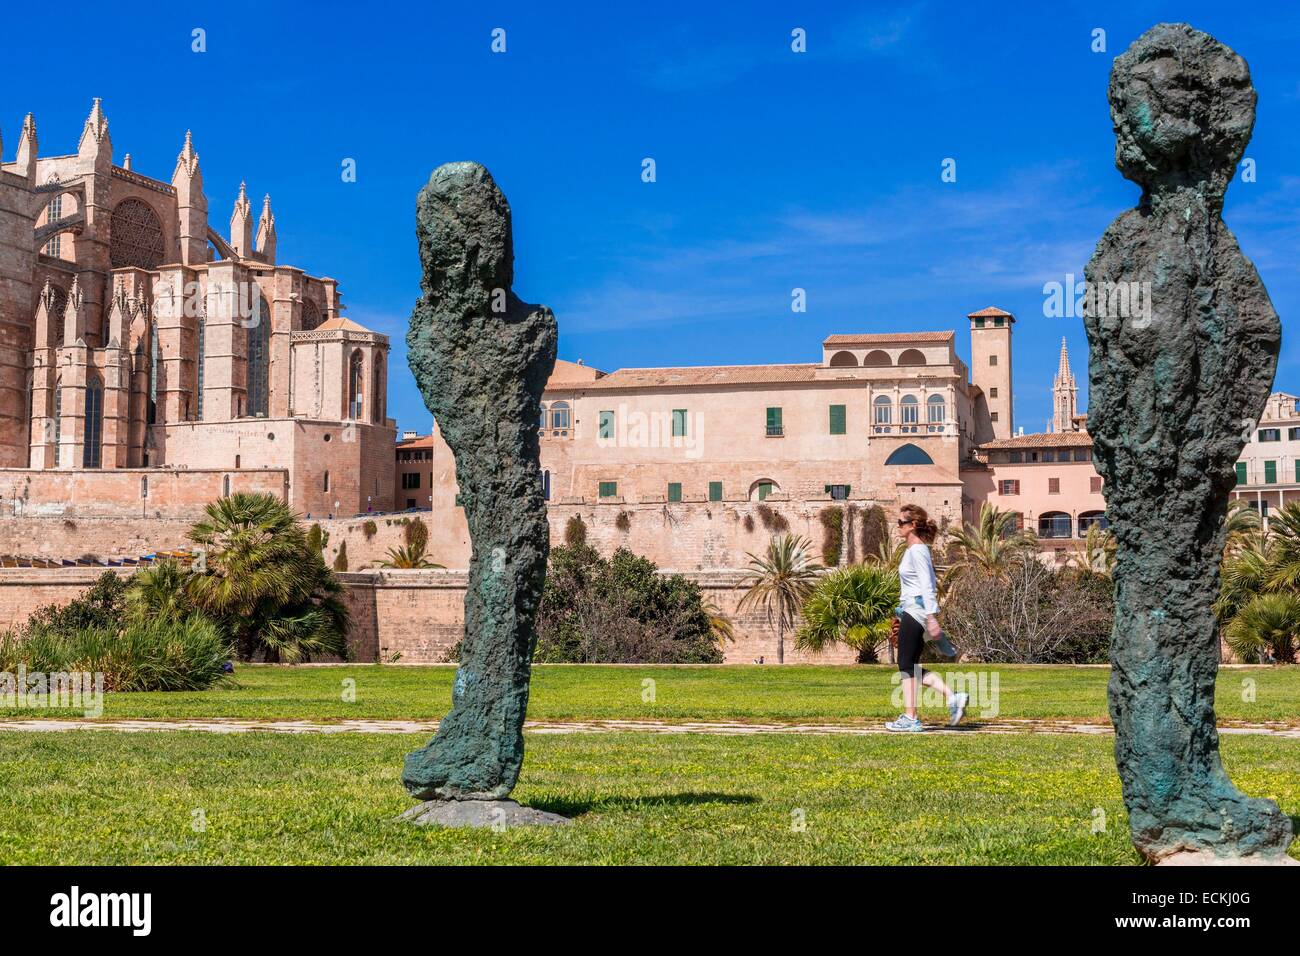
990,371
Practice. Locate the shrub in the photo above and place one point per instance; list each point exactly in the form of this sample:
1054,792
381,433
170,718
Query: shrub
749,524
317,538
852,605
575,532
875,530
369,529
1030,614
341,559
624,521
416,534
102,606
832,519
620,611
155,655
772,519
1266,629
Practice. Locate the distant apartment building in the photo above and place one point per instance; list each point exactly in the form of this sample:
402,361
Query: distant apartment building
1268,471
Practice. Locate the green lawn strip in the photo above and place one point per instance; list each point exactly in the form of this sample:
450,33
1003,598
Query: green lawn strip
104,797
829,694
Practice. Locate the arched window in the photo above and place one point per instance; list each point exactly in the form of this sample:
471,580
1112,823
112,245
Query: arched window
94,434
57,435
1054,524
908,455
909,412
137,236
356,385
877,359
760,489
884,409
844,360
936,412
153,375
225,486
259,358
310,315
559,414
377,391
198,382
912,357
53,213
1090,518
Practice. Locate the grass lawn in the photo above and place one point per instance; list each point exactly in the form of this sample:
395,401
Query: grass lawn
105,797
755,693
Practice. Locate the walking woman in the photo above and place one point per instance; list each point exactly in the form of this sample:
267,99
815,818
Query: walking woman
917,612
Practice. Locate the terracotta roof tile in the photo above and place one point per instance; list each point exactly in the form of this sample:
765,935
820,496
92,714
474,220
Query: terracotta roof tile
704,375
1079,439
881,338
992,310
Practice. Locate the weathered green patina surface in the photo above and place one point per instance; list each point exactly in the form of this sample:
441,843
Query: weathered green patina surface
1176,384
481,358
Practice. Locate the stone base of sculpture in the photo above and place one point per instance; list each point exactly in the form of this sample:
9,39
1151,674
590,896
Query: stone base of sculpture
1210,858
493,814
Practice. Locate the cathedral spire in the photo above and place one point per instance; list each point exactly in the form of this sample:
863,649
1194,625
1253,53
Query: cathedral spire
191,204
241,224
95,141
1064,394
266,231
26,159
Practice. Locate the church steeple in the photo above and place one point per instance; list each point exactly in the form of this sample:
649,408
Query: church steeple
1064,394
266,231
191,204
241,225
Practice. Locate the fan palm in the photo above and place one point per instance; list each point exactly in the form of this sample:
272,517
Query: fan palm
779,583
158,593
852,605
407,557
1266,627
264,584
720,625
992,546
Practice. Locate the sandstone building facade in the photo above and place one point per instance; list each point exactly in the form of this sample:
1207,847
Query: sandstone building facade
135,337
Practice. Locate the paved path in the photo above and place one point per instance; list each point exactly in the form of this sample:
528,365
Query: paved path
230,725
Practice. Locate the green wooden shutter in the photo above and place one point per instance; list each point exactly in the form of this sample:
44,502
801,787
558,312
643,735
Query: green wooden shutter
715,487
764,490
608,489
1270,473
674,491
1297,469
838,420
1241,471
679,423
606,424
774,421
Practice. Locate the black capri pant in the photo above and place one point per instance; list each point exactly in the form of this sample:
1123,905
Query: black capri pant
911,641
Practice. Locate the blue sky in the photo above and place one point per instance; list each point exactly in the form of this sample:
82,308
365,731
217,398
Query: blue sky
775,170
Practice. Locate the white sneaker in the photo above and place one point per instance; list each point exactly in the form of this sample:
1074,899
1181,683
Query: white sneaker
905,724
957,709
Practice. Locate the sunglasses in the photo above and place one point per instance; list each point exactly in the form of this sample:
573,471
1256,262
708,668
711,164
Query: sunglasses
903,521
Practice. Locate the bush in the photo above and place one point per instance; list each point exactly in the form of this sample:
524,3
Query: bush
369,529
832,520
1030,614
157,655
620,611
875,530
575,532
101,606
416,534
772,519
341,559
852,605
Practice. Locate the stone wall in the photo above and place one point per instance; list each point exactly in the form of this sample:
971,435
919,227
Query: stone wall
412,616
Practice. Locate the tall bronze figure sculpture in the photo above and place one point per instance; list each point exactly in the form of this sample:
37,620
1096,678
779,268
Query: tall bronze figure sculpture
1177,380
481,358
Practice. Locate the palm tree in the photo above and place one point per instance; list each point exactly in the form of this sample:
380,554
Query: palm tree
852,605
721,626
407,557
1242,521
1267,627
992,546
264,584
1095,554
889,553
159,592
780,582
